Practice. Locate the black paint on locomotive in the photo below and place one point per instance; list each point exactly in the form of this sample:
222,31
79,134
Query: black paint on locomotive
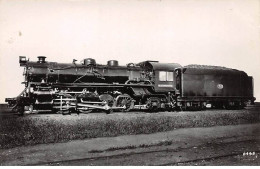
149,85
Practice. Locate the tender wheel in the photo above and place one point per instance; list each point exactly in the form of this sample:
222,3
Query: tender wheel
124,101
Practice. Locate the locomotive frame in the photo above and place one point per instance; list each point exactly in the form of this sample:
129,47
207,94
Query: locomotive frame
71,87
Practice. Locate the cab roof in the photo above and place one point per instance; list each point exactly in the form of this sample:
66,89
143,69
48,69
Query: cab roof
155,65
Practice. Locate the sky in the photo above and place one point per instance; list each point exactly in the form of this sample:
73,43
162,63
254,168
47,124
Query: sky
207,32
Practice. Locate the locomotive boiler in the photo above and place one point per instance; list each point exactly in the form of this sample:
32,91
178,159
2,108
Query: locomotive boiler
149,85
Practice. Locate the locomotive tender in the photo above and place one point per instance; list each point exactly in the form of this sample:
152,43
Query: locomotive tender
149,85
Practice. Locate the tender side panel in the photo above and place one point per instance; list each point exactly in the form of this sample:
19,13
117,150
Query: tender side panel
214,83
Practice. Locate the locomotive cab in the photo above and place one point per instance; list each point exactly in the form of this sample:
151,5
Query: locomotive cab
164,75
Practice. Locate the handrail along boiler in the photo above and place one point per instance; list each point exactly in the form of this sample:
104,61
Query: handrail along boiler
149,85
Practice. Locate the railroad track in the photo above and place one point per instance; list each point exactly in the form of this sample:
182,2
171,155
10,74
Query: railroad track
169,156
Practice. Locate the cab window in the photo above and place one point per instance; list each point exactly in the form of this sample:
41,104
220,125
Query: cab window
162,76
170,76
165,76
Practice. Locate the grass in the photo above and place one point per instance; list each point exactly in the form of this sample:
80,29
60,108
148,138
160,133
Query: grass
36,129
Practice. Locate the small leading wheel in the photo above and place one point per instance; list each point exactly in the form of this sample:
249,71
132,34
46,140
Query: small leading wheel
125,101
20,110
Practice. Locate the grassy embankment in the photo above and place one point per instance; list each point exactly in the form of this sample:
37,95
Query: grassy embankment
35,129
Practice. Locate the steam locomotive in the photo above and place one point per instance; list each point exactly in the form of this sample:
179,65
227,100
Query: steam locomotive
149,85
